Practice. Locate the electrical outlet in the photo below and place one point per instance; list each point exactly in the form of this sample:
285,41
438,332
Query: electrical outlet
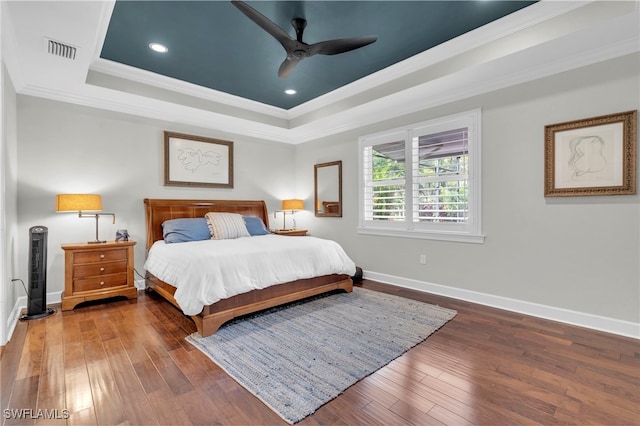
423,259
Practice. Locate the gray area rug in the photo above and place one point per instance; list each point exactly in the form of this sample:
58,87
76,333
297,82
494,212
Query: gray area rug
298,357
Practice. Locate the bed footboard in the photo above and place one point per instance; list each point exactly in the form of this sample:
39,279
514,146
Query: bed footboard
213,316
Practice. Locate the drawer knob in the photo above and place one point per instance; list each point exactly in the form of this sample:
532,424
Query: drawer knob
101,269
102,256
101,282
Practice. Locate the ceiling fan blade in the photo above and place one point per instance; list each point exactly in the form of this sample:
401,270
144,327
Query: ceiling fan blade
333,47
264,23
288,65
297,49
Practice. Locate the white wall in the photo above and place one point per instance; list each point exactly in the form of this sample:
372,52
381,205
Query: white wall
3,221
65,148
579,254
9,193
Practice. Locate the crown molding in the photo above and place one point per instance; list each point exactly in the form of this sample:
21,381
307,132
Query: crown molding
158,110
149,78
479,80
103,26
475,81
584,43
515,22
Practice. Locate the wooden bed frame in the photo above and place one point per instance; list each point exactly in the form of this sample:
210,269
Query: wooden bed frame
213,316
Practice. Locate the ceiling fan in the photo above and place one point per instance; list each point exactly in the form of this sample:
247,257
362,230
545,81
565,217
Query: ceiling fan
296,49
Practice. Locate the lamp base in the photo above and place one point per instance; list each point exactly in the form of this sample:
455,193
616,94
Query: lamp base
96,242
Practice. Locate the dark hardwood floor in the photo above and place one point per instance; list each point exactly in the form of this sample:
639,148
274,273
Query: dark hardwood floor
127,362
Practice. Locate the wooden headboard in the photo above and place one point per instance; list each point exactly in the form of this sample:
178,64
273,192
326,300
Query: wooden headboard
157,211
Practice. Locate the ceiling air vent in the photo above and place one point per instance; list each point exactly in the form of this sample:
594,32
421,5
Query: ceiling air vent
63,50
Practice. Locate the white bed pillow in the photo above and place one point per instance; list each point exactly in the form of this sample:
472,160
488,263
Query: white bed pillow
225,226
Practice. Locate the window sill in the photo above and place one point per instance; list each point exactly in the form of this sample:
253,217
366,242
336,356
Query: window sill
425,235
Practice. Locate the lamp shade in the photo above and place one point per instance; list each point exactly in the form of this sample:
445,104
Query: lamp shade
292,204
78,202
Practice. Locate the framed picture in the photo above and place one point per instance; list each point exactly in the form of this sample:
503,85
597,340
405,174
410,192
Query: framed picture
197,161
595,156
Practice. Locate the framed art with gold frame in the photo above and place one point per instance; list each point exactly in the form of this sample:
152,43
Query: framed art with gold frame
593,156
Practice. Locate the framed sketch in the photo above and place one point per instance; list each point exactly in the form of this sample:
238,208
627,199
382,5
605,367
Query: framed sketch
595,156
197,161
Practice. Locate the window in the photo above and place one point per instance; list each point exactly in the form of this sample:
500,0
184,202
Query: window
423,181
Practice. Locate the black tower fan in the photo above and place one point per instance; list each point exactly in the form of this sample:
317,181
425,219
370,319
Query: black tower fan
37,292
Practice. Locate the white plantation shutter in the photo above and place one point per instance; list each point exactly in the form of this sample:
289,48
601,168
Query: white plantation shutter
440,168
385,185
423,181
385,181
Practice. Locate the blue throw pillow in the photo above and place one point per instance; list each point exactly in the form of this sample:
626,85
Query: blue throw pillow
255,226
183,230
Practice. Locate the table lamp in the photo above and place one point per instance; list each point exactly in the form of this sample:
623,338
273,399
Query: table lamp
291,206
83,203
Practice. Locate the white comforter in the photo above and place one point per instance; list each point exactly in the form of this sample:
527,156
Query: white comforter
204,272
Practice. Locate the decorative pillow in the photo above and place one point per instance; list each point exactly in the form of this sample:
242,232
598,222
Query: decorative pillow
183,230
226,226
255,226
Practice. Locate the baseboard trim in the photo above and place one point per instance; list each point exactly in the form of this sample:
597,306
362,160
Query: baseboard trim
581,319
21,303
13,319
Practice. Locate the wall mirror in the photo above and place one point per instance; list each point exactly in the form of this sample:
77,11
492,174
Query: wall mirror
328,189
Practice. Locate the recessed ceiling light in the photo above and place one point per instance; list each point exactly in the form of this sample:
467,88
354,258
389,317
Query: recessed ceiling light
290,91
157,47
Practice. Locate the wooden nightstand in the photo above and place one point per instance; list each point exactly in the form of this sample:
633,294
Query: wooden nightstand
97,271
291,232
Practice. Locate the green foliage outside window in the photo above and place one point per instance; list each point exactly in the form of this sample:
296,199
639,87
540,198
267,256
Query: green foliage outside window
442,192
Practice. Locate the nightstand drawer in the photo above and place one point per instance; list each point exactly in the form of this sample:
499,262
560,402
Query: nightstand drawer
99,283
99,256
97,269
